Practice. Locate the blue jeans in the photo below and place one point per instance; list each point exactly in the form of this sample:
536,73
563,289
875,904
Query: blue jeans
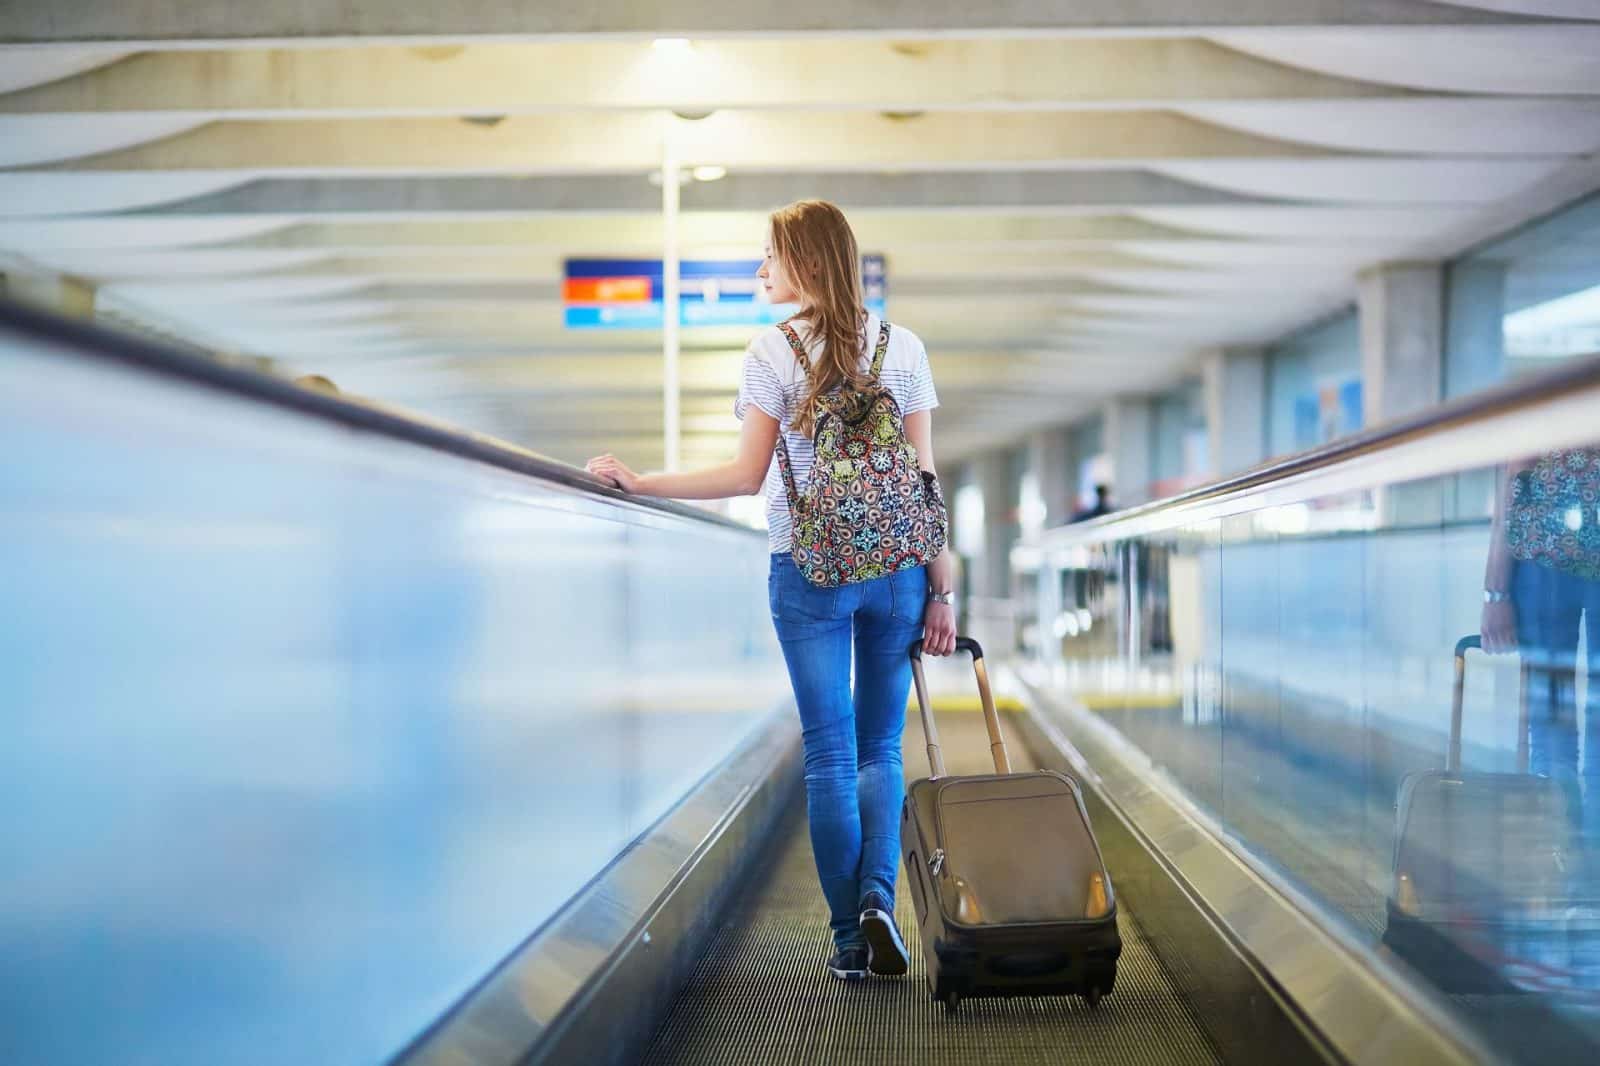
1549,605
854,780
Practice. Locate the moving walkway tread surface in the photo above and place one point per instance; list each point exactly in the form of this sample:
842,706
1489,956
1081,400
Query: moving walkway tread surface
761,995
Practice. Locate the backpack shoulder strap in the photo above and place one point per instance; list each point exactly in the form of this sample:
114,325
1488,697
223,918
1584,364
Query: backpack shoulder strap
797,347
781,448
881,351
789,489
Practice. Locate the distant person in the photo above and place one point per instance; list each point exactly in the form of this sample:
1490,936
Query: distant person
846,401
1102,504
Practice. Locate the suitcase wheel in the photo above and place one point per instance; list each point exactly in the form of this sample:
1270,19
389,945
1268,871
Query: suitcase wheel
1093,996
951,1001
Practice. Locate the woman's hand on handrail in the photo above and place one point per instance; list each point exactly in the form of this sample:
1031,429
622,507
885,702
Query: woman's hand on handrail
613,471
744,476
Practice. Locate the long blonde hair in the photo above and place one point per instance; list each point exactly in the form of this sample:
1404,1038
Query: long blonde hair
818,251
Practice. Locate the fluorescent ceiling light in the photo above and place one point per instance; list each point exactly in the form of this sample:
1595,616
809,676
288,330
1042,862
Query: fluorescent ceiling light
671,44
710,173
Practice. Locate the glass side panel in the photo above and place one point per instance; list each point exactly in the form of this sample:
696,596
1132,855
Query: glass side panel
307,729
1293,670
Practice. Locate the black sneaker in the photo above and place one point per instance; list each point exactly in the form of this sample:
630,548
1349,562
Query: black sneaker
849,964
886,952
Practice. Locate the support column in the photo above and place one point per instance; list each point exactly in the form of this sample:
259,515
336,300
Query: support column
670,297
1051,461
1127,430
990,571
1402,340
987,615
1050,457
1402,371
1475,353
1236,408
1474,359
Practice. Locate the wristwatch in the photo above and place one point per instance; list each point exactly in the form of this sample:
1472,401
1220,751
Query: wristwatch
946,598
1495,596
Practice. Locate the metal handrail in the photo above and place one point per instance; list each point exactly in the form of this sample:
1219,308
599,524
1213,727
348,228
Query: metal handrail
1497,420
89,341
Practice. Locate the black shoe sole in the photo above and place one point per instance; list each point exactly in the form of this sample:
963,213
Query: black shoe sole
886,955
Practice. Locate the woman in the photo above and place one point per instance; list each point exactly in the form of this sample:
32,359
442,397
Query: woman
1541,581
854,780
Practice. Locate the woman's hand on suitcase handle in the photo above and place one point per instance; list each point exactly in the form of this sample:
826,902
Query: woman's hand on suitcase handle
1499,628
938,628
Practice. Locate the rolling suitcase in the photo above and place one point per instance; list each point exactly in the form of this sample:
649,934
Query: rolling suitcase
1479,858
1011,893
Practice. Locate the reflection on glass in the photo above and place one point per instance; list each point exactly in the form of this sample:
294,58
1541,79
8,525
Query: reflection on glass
1563,326
1313,675
1526,300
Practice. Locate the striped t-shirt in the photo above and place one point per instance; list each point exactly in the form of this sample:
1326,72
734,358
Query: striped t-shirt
774,382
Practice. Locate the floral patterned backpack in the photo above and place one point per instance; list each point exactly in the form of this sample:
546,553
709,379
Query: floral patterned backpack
869,509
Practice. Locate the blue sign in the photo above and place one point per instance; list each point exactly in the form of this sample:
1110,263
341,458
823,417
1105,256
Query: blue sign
1333,410
628,293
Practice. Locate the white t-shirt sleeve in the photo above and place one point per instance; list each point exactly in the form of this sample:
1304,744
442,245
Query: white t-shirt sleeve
921,396
759,385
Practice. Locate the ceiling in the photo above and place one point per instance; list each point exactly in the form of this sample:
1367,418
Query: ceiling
1075,201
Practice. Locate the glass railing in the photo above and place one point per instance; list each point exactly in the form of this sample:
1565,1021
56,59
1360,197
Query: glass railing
312,714
1284,648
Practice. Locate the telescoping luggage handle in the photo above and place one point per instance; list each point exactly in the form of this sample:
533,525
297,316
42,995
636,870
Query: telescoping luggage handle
1452,758
997,743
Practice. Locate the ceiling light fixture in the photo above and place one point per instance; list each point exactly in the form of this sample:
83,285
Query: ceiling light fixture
672,44
710,173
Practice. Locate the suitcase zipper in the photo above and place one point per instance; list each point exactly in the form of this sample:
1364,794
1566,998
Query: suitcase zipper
936,861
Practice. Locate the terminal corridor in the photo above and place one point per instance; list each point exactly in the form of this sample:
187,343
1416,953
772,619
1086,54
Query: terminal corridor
448,454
